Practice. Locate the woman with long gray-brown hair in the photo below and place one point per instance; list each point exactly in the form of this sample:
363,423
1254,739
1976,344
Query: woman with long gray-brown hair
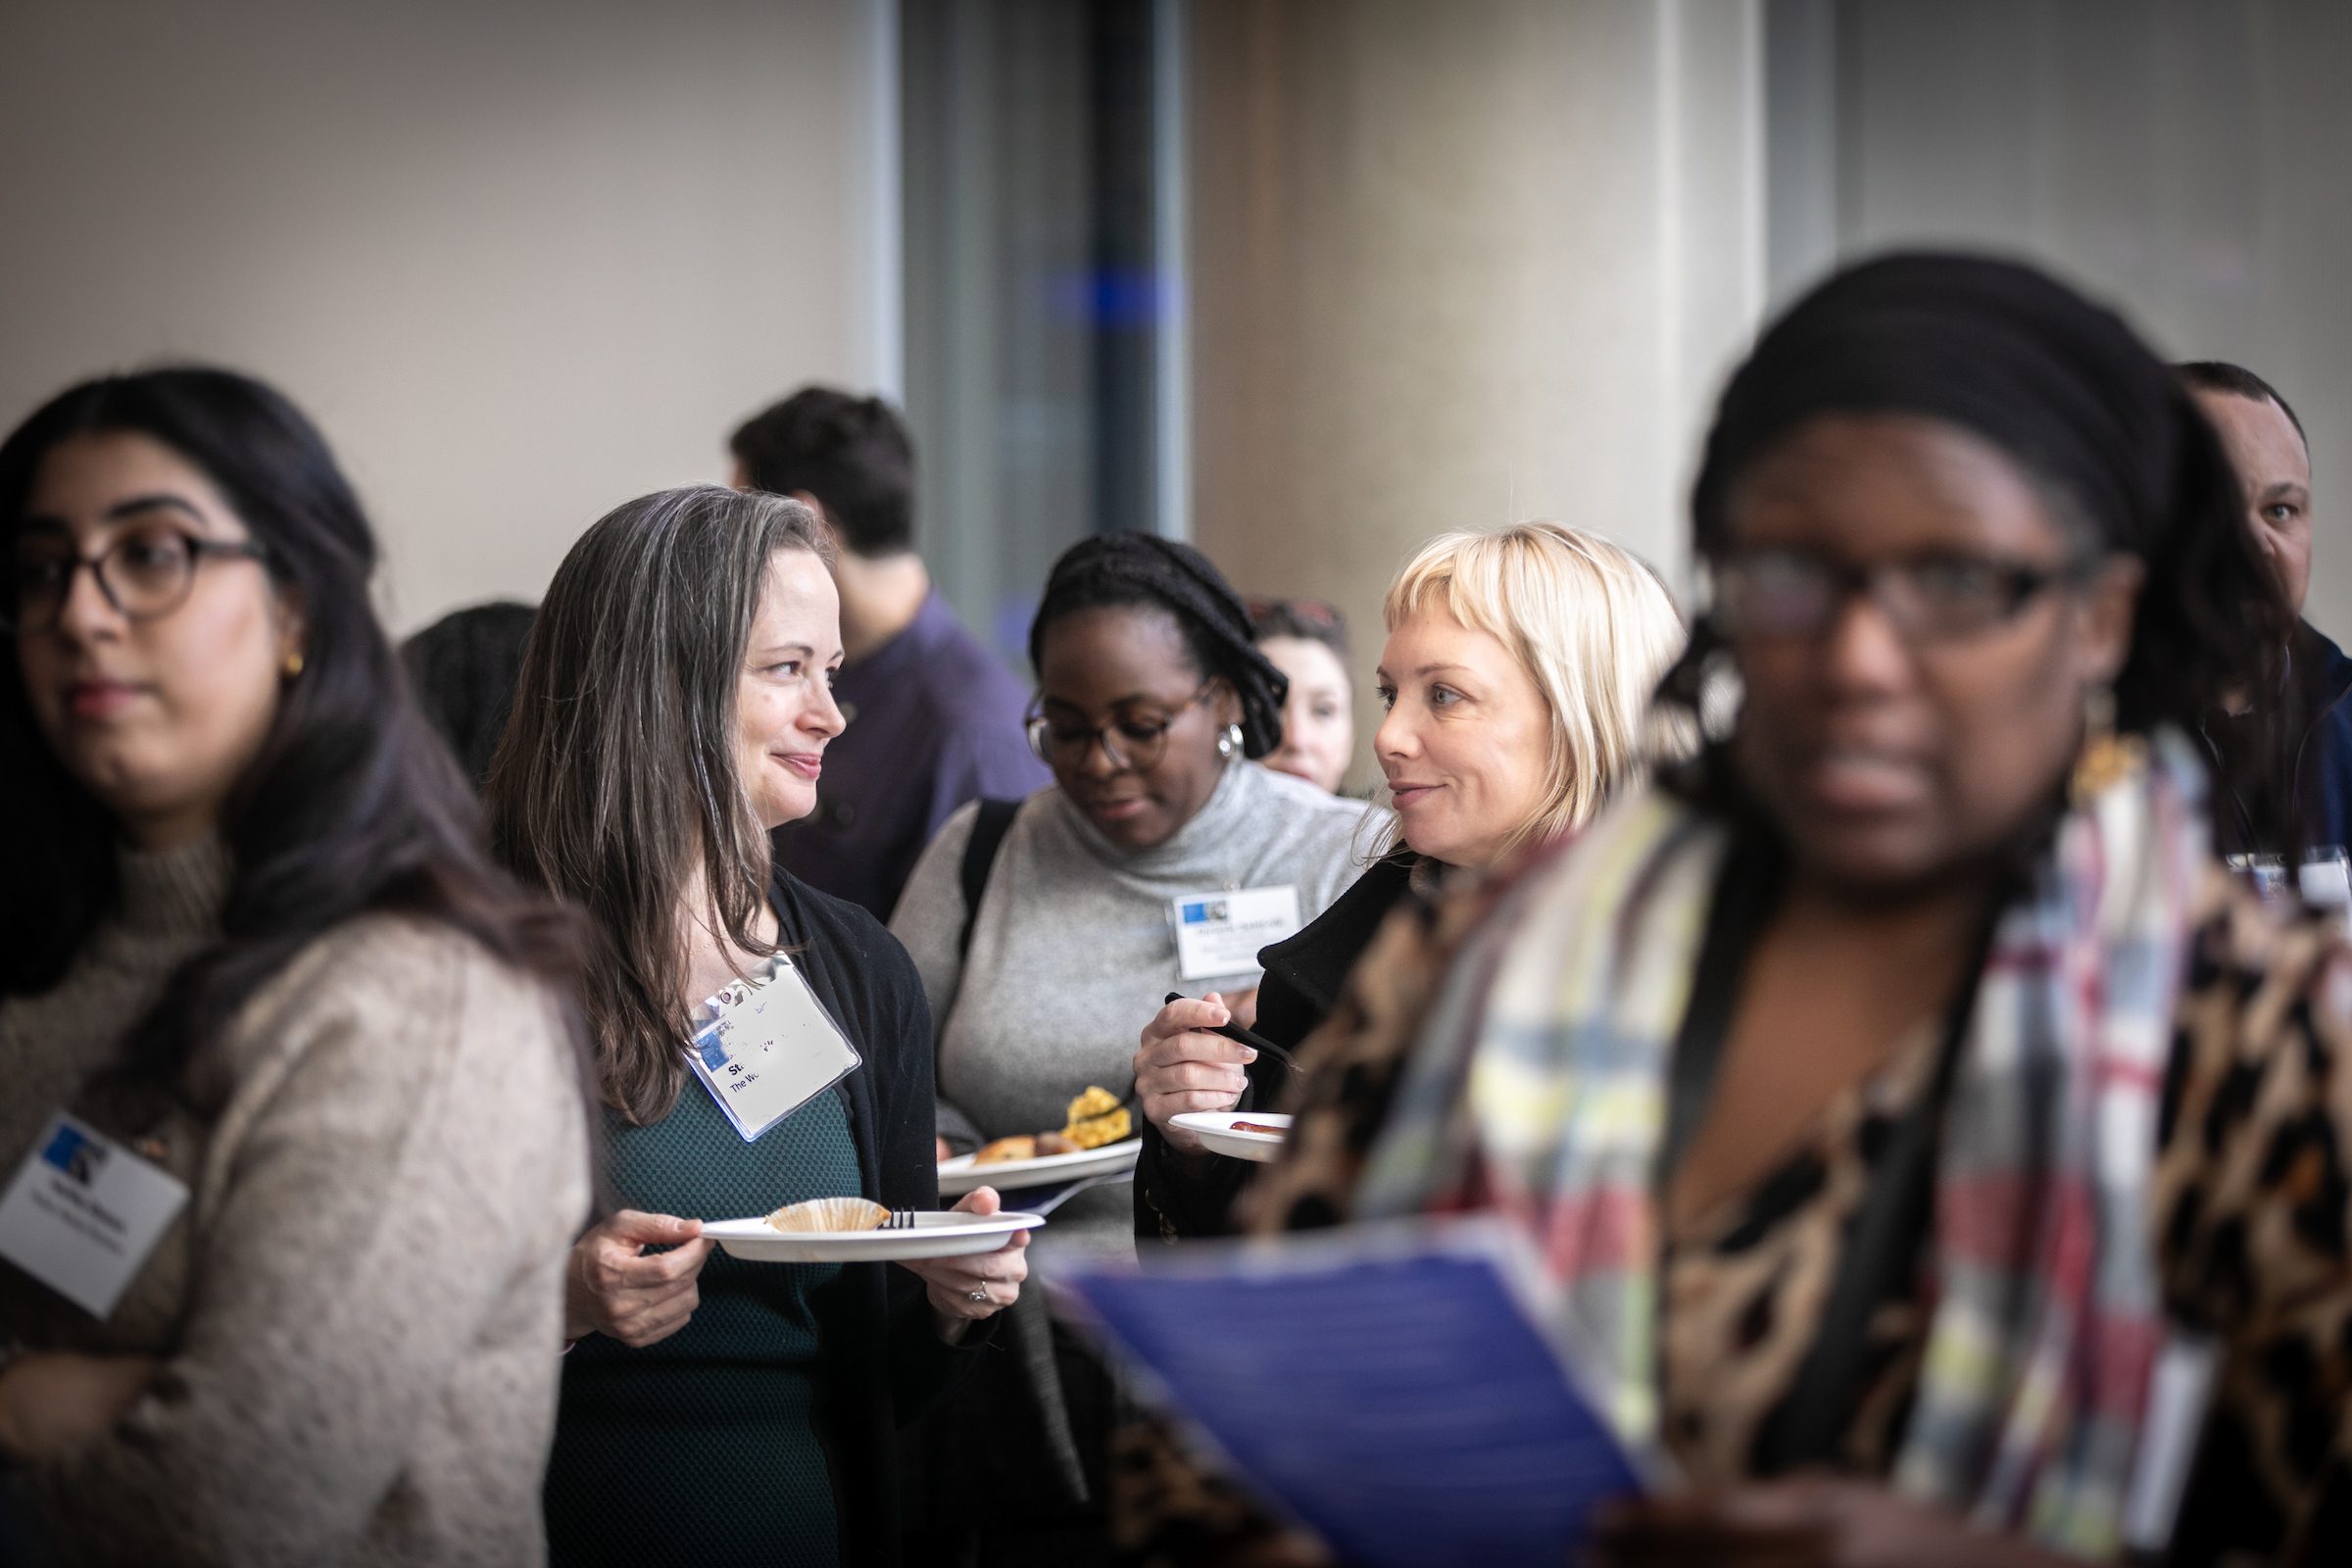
675,706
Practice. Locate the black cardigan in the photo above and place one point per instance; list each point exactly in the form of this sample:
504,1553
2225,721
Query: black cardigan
1179,1198
884,1362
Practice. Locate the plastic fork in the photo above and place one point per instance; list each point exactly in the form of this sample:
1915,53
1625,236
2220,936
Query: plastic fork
900,1219
1074,1189
1246,1036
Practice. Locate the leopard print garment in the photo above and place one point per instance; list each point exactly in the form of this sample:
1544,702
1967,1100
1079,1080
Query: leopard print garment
1741,1291
1350,1067
2253,1216
1168,1509
2252,1209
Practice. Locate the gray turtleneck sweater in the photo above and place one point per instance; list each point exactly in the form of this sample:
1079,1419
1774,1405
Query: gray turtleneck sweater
359,1311
1074,948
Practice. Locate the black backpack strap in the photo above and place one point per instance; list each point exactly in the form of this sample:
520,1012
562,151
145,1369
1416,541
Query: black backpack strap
989,829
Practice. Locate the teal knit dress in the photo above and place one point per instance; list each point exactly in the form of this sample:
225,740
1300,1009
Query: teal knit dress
704,1449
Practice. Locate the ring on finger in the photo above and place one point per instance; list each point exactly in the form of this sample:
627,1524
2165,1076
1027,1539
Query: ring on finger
976,1295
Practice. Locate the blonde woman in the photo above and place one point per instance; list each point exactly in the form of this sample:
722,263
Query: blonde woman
1517,677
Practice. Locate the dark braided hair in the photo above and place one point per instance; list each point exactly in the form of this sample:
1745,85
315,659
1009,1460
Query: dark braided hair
1140,568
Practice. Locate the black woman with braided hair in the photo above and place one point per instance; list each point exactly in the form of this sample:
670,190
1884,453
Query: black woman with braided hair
1153,706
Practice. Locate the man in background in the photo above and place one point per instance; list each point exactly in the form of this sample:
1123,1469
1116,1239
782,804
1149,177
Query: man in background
2267,446
934,720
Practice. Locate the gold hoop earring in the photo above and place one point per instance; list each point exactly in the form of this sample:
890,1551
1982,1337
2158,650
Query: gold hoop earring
2106,758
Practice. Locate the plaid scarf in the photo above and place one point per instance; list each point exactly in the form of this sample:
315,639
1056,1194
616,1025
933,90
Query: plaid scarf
1539,1087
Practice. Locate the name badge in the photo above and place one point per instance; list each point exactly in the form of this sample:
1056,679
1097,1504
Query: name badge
766,1047
83,1213
1220,933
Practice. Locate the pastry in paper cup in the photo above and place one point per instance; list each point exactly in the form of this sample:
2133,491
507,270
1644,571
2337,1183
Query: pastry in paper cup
830,1214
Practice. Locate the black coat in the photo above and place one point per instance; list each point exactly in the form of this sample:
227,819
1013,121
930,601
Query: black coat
884,1362
1176,1197
2322,761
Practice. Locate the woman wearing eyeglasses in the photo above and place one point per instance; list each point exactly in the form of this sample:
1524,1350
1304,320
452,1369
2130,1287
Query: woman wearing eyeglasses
1915,1119
1151,704
1153,701
271,1025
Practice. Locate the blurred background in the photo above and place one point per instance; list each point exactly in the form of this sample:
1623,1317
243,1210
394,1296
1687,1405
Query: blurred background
1302,281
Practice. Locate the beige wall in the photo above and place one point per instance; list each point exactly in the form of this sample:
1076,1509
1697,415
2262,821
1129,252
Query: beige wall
1457,265
2182,159
521,259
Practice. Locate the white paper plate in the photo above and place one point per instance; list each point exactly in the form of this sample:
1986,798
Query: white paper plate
939,1234
959,1175
1216,1133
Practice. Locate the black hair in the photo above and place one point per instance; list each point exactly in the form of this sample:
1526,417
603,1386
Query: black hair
853,454
2071,394
350,805
2220,375
463,669
1309,619
1114,569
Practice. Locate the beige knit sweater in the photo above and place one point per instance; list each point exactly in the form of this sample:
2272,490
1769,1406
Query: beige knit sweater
360,1310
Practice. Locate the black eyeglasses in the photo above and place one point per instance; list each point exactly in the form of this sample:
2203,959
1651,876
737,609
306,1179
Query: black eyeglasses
1932,597
144,573
1132,741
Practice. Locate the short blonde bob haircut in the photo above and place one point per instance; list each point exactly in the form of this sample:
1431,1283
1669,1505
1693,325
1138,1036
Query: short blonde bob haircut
1590,622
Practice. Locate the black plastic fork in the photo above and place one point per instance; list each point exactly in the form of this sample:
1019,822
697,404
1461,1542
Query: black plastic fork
1241,1035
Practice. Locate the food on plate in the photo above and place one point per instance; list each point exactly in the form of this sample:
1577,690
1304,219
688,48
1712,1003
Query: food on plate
1096,1118
830,1214
1023,1145
1258,1127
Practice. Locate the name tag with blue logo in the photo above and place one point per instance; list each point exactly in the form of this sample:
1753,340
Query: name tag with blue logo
83,1213
766,1047
1218,934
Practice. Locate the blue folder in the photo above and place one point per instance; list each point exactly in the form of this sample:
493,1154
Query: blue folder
1395,1396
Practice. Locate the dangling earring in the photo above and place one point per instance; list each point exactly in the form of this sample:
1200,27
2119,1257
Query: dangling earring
2106,759
1230,742
294,663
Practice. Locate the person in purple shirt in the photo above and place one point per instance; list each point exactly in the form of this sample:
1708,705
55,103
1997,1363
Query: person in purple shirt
935,720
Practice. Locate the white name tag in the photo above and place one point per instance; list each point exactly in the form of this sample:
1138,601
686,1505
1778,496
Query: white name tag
766,1048
1220,933
83,1213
